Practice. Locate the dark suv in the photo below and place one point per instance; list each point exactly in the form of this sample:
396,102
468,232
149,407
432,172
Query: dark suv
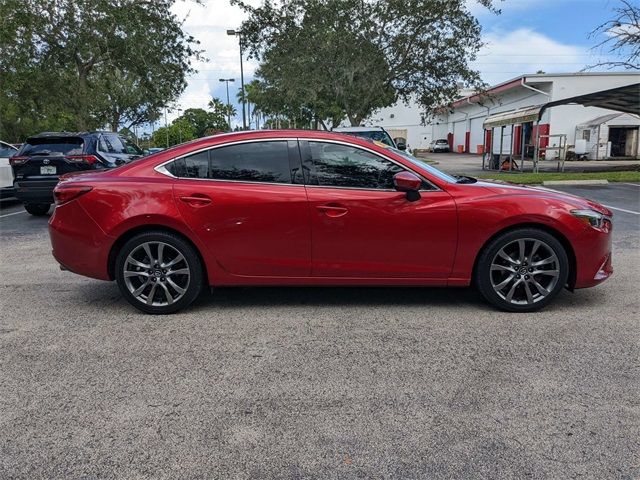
43,158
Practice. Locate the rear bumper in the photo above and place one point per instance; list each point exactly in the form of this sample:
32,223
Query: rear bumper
78,243
7,192
35,191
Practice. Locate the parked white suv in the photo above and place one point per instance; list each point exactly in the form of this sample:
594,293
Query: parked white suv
377,134
6,175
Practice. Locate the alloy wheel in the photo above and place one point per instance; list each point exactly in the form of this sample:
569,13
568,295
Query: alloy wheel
524,271
156,274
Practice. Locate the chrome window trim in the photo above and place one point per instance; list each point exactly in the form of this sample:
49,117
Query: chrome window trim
163,170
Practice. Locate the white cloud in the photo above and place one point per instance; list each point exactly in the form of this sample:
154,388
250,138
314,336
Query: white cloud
509,54
208,23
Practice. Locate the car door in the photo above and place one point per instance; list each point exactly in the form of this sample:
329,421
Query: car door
363,227
248,204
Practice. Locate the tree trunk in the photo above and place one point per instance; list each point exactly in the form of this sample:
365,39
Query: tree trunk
115,121
81,113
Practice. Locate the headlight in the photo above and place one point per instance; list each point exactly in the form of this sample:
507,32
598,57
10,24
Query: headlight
593,218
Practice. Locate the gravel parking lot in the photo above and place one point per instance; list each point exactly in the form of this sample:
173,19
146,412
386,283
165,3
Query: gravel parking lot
317,382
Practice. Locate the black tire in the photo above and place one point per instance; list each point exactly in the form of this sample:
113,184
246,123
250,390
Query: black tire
37,209
485,276
191,262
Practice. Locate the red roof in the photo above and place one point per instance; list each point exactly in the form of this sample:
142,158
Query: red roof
497,89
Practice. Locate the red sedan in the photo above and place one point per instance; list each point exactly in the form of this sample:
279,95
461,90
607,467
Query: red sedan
319,208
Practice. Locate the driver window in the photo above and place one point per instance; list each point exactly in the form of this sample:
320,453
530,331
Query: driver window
346,166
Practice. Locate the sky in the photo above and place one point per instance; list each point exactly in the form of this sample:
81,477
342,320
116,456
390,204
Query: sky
527,36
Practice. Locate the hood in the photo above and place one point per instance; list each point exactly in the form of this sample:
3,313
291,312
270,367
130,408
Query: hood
505,188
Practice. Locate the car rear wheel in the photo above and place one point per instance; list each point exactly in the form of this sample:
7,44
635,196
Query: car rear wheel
522,270
159,272
37,209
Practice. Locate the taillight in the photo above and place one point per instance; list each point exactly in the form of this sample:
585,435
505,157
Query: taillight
17,160
65,193
88,159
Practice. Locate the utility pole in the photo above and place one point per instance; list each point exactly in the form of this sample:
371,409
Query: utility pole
238,34
166,126
227,80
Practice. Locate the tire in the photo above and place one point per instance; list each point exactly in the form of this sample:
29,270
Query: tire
147,285
37,209
521,282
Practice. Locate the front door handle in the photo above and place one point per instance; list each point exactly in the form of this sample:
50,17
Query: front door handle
196,200
332,210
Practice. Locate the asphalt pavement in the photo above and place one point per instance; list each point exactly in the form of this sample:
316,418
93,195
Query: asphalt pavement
316,382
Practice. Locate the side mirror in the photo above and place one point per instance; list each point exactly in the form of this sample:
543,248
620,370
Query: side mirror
408,182
401,146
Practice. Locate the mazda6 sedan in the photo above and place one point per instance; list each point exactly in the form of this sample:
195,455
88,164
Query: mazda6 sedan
319,208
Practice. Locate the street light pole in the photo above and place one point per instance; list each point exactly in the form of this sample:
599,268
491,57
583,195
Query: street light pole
227,80
238,33
166,126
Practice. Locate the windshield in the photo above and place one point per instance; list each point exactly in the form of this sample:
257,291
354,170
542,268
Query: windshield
375,135
7,150
424,165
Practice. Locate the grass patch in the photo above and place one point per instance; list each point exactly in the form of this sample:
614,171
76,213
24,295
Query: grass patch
533,178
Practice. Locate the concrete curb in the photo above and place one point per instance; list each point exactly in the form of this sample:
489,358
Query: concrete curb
547,183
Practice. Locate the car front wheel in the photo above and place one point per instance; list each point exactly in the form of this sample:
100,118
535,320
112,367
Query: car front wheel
522,270
159,272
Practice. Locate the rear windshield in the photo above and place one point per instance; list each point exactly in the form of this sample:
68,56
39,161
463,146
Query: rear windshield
53,146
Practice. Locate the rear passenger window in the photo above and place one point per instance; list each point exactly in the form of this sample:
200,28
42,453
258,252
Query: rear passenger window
248,162
196,165
112,144
252,162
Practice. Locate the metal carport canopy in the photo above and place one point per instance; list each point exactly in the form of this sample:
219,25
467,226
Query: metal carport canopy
622,99
512,117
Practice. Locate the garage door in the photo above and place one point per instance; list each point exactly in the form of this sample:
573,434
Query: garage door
459,130
477,134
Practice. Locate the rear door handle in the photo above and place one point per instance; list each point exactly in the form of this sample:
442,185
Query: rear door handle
332,210
196,200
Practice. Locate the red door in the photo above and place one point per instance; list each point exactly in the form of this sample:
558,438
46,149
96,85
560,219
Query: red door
251,228
371,230
363,233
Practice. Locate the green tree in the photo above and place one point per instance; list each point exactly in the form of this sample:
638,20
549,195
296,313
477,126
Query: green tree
85,64
179,131
223,110
335,58
203,121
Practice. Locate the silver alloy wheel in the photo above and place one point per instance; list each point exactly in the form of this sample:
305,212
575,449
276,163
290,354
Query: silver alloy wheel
524,271
156,274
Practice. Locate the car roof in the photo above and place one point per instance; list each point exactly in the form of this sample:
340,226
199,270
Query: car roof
358,129
220,139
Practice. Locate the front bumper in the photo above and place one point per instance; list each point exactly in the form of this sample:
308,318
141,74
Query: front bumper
593,257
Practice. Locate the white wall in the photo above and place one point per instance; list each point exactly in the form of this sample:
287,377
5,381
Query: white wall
563,119
402,116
